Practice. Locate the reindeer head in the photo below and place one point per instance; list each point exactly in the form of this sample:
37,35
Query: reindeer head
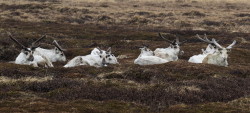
106,56
175,44
59,53
110,58
222,51
145,51
27,52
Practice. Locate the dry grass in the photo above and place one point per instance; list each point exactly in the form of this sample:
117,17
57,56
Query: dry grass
200,15
4,79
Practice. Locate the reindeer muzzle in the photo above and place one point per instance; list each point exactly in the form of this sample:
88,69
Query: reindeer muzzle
104,63
31,58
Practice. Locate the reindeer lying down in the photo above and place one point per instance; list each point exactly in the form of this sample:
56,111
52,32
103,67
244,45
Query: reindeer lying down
97,58
211,48
27,56
216,54
54,55
220,56
170,53
147,57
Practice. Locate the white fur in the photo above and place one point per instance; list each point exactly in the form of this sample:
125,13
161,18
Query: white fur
111,59
54,55
199,58
217,58
36,61
220,56
90,60
96,58
147,58
77,61
169,54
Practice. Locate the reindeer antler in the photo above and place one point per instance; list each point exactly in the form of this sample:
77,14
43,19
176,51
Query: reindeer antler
57,45
38,40
165,38
217,44
174,42
34,44
18,43
205,39
231,45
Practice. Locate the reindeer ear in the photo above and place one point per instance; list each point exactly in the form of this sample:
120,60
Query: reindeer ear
109,50
171,45
99,50
203,51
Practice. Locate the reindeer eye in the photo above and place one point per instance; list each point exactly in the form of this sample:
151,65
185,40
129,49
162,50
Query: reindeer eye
62,54
100,56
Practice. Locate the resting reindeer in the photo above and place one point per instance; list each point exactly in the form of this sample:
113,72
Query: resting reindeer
97,58
171,53
27,56
211,48
147,57
54,55
107,55
220,56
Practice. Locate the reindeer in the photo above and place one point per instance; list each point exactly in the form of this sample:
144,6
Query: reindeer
54,55
171,53
211,48
220,56
147,57
27,56
97,58
109,57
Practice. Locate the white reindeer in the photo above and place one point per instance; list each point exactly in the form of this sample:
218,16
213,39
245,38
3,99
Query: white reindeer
171,53
147,58
97,58
211,48
109,57
54,55
220,56
27,56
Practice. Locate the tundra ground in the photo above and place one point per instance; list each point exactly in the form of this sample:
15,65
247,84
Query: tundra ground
79,26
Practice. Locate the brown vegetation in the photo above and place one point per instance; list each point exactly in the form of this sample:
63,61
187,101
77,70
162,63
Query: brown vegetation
82,25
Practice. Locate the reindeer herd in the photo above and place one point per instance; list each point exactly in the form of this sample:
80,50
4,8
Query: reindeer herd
40,57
